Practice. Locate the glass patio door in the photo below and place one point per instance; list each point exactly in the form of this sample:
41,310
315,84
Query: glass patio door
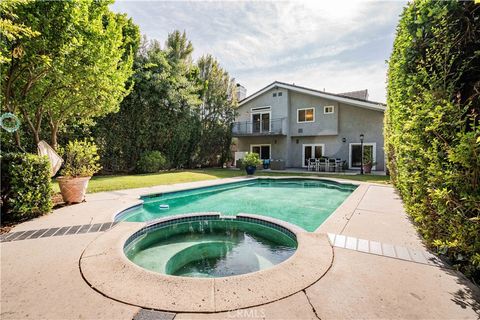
356,160
311,151
262,150
261,122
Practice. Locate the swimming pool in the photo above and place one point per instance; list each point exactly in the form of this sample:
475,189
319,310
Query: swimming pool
306,203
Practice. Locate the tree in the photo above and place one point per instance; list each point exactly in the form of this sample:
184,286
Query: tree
11,30
75,70
161,112
432,132
217,111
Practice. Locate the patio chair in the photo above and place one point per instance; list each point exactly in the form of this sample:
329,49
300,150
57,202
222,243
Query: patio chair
311,164
338,165
322,164
332,164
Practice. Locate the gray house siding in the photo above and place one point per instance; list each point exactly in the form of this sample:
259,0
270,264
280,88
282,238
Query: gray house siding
279,105
324,124
346,123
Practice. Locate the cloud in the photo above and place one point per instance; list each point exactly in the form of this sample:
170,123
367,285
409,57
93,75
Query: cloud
339,45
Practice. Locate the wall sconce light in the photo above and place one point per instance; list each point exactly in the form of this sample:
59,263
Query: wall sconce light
275,141
297,141
344,139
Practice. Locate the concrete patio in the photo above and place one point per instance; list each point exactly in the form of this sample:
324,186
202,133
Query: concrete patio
380,267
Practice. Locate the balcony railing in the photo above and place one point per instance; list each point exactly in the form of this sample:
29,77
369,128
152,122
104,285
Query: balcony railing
259,128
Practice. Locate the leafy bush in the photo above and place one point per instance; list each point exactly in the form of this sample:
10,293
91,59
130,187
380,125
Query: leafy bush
251,159
151,162
81,159
432,126
26,187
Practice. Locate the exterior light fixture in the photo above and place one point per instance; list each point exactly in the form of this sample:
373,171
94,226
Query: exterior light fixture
344,139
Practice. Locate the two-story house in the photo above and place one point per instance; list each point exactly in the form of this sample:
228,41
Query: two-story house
292,123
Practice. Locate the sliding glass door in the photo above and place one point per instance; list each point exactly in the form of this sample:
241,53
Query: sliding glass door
262,149
356,153
312,151
261,122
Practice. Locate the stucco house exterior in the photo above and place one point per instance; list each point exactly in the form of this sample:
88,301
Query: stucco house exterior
292,123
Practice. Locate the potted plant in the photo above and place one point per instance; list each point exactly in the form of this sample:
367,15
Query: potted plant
368,162
250,162
81,162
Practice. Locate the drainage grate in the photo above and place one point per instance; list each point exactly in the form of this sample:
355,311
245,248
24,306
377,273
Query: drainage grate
145,314
57,231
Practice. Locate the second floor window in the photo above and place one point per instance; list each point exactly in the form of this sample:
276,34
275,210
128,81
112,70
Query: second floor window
306,115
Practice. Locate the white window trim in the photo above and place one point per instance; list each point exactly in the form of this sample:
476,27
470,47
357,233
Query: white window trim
313,145
260,109
262,145
373,144
325,109
261,112
298,114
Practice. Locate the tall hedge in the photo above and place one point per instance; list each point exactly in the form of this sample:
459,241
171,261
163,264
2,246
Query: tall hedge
26,188
432,128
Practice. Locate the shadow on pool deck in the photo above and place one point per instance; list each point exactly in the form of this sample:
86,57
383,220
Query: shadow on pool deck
41,278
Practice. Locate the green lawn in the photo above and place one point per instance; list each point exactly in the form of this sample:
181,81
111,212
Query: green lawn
117,182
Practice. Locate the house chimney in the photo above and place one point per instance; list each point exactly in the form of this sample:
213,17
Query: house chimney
241,92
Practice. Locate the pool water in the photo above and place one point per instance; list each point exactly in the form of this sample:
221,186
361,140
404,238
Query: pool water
211,248
303,202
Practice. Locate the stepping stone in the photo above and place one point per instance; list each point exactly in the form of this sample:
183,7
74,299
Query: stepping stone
402,253
363,245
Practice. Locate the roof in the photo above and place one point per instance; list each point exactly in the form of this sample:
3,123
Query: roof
359,94
363,103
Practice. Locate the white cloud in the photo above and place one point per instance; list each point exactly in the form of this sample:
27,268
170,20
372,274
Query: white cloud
339,45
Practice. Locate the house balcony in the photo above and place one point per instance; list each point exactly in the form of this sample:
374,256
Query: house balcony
274,127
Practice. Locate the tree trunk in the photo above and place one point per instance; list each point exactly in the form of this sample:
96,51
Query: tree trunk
53,136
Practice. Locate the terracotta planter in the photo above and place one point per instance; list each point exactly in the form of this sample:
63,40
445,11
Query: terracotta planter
73,189
367,168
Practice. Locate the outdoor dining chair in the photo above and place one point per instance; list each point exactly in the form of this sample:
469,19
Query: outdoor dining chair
322,164
311,164
332,164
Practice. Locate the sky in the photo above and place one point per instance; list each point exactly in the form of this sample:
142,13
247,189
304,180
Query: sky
333,45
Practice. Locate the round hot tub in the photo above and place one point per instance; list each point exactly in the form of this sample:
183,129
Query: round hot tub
210,246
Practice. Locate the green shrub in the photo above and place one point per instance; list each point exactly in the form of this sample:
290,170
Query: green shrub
432,126
26,187
81,159
151,162
251,159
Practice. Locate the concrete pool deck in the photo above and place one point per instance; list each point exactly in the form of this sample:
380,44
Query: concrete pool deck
40,278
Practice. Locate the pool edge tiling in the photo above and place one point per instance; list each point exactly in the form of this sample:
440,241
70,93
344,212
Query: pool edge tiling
106,269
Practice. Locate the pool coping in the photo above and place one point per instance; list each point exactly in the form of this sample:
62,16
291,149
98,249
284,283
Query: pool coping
140,200
106,269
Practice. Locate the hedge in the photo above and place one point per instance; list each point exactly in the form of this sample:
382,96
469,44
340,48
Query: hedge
432,132
26,191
